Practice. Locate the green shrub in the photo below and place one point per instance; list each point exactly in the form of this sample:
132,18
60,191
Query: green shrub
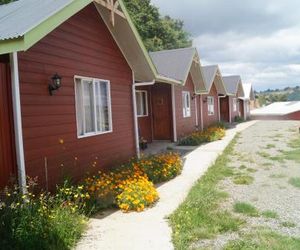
210,134
38,221
239,119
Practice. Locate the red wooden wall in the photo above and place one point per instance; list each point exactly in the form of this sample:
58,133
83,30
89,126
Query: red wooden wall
7,145
185,125
80,46
210,119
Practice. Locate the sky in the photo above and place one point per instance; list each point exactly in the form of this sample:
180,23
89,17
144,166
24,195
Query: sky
257,39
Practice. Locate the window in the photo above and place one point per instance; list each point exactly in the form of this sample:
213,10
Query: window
234,101
211,105
141,103
186,104
93,106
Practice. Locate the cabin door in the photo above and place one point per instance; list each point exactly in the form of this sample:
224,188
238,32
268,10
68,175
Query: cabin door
7,149
241,108
162,112
224,109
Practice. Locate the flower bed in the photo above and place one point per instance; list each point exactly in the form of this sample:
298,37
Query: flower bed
130,186
210,134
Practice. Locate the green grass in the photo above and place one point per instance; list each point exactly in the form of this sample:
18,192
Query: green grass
269,146
264,154
246,209
199,216
277,176
288,224
295,182
242,167
243,180
262,240
251,170
269,214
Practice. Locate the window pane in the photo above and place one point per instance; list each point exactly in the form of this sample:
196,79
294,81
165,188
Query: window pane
102,107
79,108
144,104
139,103
88,106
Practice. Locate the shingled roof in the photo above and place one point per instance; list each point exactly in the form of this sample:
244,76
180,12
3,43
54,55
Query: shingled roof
178,63
212,74
234,85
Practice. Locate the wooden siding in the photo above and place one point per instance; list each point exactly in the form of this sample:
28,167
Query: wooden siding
145,123
7,148
80,46
210,119
185,125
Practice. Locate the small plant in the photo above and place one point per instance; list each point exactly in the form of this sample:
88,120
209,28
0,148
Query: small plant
264,154
242,167
239,119
246,208
269,146
251,170
295,182
288,224
243,180
269,214
277,176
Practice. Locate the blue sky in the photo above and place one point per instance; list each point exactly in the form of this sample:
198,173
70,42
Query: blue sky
260,40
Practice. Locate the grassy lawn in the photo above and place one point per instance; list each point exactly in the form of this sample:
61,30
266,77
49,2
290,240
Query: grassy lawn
264,239
246,208
199,216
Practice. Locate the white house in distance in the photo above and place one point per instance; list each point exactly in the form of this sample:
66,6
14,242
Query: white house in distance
245,101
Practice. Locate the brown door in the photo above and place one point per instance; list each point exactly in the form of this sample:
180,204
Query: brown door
224,109
241,110
7,149
162,112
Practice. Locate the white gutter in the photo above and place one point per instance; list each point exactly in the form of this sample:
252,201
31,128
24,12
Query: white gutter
229,104
18,121
219,97
135,118
174,113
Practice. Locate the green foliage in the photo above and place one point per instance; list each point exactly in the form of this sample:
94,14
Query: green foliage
6,1
239,119
40,221
199,216
269,214
243,180
295,181
294,96
157,32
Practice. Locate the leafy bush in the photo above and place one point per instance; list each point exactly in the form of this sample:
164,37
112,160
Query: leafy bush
239,119
137,194
38,221
162,167
210,134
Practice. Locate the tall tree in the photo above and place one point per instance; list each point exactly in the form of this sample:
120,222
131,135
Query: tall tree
157,32
6,1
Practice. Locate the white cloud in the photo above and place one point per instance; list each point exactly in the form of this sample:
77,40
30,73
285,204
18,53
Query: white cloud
259,40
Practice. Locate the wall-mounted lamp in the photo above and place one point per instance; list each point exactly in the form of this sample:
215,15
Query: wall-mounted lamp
205,99
194,96
55,84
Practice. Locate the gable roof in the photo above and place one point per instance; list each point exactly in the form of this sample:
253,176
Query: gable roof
178,63
25,22
277,108
212,74
234,85
248,91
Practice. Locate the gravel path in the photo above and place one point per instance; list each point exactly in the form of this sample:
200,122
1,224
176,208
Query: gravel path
257,154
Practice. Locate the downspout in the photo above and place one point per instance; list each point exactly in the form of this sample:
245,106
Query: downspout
196,111
136,126
219,97
174,113
245,110
18,121
201,110
229,104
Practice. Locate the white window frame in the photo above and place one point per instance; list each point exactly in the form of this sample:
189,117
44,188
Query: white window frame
146,102
234,104
211,105
186,107
82,78
248,106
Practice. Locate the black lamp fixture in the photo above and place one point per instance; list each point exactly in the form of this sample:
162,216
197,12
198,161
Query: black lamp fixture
205,99
55,84
194,96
